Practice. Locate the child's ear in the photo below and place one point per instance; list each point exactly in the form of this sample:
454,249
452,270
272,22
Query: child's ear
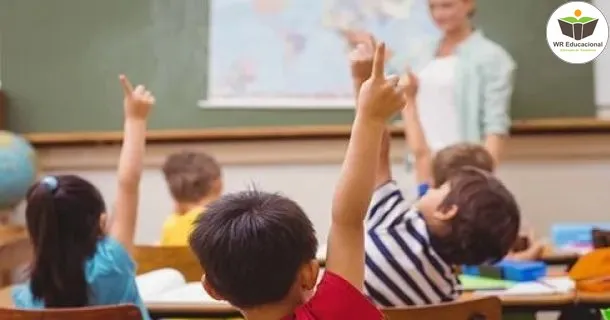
104,222
217,187
309,275
447,214
210,290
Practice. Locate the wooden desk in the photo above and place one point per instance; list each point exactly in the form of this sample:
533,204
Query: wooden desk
6,301
15,251
556,258
510,304
533,303
197,310
191,310
550,256
593,300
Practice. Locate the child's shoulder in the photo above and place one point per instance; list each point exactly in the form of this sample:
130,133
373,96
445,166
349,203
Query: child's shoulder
23,298
110,258
335,298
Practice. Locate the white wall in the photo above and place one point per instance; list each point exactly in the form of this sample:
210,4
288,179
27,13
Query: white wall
547,192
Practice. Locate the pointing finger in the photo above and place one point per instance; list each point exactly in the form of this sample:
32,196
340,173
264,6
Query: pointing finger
127,87
379,61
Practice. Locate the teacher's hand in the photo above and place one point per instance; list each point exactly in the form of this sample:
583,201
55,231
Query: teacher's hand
411,84
361,59
356,37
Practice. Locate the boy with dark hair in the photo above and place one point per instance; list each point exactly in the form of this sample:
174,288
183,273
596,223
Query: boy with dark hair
258,249
194,180
466,217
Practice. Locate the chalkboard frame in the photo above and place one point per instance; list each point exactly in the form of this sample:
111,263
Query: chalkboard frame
519,127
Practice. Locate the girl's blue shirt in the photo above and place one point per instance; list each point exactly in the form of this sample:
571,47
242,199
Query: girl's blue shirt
110,274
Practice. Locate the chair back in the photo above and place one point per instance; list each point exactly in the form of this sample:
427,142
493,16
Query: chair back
150,258
488,308
601,238
118,312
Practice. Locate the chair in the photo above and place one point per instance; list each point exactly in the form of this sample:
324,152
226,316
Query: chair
119,312
488,308
15,251
601,238
150,258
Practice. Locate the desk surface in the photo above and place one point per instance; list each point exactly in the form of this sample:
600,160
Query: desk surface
538,302
550,256
15,251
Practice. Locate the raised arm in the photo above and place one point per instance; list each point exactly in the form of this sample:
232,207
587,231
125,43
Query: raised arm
378,100
361,63
414,134
137,103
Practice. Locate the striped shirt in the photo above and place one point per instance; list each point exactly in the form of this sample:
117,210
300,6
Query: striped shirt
402,268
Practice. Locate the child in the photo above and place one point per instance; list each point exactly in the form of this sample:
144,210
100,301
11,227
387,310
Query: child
76,263
194,181
466,217
258,249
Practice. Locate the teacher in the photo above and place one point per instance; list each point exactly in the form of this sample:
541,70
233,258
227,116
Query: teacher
465,81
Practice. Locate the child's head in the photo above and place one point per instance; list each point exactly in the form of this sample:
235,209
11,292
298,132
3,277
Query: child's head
472,218
256,249
65,218
451,159
192,177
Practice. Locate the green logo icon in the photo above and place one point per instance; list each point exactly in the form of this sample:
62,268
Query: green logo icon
606,314
577,27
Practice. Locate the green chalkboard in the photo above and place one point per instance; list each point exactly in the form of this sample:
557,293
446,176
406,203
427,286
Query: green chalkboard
61,58
545,86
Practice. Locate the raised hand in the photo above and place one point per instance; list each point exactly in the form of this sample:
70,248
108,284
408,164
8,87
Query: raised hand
361,58
380,97
411,84
137,102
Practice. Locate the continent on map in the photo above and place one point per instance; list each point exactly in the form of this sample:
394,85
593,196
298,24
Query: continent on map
294,44
350,14
241,74
270,6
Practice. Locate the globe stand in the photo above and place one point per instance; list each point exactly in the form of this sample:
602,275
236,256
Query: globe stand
15,248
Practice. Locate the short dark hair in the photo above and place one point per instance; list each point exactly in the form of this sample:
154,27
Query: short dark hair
190,175
451,159
251,245
487,221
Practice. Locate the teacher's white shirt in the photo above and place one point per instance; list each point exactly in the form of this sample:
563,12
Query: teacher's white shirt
436,102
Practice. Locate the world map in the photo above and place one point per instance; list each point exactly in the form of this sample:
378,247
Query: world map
294,53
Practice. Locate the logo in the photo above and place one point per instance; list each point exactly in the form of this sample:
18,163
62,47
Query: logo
577,32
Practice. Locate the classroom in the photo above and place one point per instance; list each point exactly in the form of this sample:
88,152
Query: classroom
295,159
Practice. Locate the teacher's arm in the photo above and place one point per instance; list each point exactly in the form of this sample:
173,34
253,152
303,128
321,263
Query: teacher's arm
498,71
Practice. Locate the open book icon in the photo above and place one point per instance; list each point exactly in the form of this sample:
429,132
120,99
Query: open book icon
578,28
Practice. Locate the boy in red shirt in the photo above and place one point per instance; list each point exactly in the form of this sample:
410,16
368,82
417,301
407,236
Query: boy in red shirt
258,249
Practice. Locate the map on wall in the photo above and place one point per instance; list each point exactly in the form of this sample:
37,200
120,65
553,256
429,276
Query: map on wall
293,53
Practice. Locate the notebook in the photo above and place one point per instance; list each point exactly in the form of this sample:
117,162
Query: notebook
545,286
473,283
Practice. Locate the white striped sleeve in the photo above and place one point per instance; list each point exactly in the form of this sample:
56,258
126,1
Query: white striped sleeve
386,205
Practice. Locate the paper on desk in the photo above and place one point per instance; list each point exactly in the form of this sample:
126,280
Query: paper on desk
190,293
544,286
155,283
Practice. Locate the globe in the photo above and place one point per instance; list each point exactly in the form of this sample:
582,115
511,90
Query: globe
17,168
